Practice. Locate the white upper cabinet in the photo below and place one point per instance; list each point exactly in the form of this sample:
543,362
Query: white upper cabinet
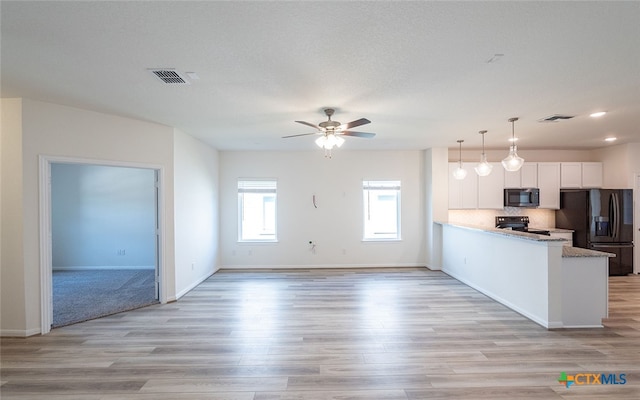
549,184
591,174
529,175
525,177
463,194
491,188
571,175
580,175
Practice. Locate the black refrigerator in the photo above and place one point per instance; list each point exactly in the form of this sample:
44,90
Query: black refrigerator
602,219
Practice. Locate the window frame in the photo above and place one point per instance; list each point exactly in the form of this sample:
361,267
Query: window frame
372,185
257,185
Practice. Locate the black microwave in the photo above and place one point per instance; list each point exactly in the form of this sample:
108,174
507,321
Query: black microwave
527,197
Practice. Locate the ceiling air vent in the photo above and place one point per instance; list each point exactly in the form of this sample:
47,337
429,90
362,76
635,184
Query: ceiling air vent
169,76
555,118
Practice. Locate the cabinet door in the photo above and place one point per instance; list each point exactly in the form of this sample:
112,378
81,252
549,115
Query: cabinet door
455,188
549,184
525,177
491,189
512,179
591,175
463,194
571,175
470,187
529,175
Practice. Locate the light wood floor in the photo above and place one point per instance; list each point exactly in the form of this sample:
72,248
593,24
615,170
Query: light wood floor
327,334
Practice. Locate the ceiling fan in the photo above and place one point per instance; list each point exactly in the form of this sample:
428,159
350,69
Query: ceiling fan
332,131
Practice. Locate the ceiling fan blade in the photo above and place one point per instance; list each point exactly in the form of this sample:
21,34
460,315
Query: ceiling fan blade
309,124
358,134
302,134
353,124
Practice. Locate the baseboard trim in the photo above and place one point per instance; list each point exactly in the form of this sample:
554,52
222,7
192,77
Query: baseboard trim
102,267
192,286
322,266
19,332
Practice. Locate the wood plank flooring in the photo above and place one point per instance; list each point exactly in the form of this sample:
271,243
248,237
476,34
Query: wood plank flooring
406,333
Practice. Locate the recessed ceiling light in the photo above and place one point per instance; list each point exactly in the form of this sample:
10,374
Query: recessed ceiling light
611,139
598,114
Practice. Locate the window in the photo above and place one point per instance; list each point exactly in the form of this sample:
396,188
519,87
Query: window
257,210
381,210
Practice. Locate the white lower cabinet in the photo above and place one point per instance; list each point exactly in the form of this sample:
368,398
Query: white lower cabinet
567,236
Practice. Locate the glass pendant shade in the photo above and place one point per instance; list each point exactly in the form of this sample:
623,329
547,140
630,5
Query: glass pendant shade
484,168
460,173
513,162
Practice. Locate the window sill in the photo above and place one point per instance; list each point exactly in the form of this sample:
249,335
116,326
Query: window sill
380,240
257,241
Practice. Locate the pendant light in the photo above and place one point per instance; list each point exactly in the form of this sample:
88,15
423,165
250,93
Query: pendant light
513,162
484,168
460,173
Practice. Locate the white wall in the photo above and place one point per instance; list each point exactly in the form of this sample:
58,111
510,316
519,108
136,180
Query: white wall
102,216
618,166
436,173
55,130
12,294
196,211
336,226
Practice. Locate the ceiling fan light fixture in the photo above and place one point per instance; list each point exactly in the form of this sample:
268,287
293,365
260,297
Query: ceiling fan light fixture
513,162
460,173
483,168
329,141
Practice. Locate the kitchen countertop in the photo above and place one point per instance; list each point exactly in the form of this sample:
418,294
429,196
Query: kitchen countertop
556,230
507,232
567,251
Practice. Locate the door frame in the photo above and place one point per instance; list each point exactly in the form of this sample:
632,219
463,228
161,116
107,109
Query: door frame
636,219
46,255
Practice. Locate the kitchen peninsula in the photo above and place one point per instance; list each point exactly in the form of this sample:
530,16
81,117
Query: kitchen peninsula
555,286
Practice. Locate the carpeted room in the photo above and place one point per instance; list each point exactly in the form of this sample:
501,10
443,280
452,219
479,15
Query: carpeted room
103,240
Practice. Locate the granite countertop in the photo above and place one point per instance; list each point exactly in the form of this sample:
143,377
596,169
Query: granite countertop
568,251
556,230
507,232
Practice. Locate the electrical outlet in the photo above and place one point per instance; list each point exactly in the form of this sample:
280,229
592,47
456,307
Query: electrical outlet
193,266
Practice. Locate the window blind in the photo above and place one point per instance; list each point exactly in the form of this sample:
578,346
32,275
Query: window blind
254,186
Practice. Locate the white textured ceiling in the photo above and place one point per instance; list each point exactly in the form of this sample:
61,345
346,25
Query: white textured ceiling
418,70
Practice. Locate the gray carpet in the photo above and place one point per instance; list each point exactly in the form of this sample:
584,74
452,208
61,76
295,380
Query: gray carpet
83,295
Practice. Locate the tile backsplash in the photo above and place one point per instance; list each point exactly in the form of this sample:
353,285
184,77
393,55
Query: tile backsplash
538,218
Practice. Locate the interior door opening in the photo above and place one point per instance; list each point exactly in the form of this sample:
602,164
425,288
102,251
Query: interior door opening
103,230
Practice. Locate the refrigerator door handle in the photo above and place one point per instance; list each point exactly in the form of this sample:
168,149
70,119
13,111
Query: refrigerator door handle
616,215
610,245
610,230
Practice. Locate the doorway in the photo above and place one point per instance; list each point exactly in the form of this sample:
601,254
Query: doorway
101,253
636,241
